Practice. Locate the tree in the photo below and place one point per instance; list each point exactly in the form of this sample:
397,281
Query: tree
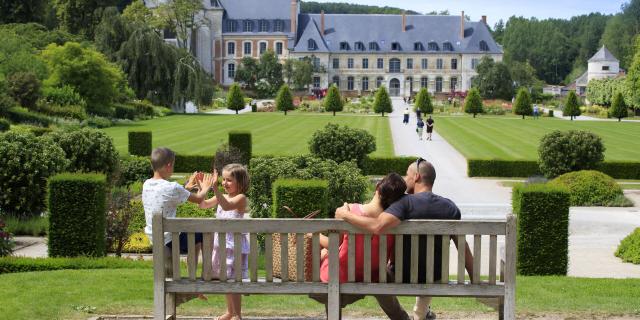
473,102
423,101
620,31
633,77
21,11
287,70
333,101
24,87
302,73
111,32
523,105
137,13
269,75
284,99
618,108
493,80
183,17
247,72
571,107
382,102
81,16
235,99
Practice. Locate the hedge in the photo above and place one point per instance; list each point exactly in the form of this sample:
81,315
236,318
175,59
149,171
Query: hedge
543,229
381,166
590,188
20,264
140,143
22,115
4,125
77,208
621,170
629,248
192,163
133,169
302,196
241,140
123,111
527,168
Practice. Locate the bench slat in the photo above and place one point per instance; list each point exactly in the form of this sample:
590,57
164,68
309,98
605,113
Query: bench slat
398,259
477,257
284,256
315,259
175,255
462,243
253,257
222,251
299,257
493,248
414,259
192,262
333,305
207,250
406,289
237,256
367,258
245,287
444,272
351,261
268,257
430,257
382,259
510,269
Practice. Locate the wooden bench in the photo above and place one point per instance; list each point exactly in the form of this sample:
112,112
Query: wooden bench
496,285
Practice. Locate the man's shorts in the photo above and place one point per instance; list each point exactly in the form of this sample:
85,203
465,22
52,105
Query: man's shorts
184,245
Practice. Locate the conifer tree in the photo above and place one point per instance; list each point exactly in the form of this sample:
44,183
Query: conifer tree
523,105
571,108
382,103
423,101
333,101
618,107
473,102
284,99
235,99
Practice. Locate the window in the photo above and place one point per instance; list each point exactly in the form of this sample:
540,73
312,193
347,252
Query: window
279,46
425,64
344,45
247,48
264,25
424,82
316,63
311,45
373,46
438,84
447,46
454,64
379,82
453,83
380,63
262,47
439,64
474,63
484,46
336,63
359,46
278,26
365,83
365,63
248,26
605,68
432,46
350,83
394,65
231,48
350,63
336,81
418,46
316,82
231,71
232,26
409,63
395,46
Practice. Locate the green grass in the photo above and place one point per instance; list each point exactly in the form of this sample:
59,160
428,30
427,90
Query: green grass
273,133
514,138
64,294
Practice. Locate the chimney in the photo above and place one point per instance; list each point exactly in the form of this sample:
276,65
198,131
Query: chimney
404,21
322,23
294,16
462,25
484,19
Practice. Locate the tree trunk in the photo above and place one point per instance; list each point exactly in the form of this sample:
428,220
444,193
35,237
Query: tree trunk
523,117
236,111
474,115
619,119
334,113
285,112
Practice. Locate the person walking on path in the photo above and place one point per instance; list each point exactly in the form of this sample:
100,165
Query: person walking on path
430,123
405,119
420,128
536,111
418,113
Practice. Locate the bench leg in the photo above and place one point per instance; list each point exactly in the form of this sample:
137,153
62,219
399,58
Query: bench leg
501,308
170,303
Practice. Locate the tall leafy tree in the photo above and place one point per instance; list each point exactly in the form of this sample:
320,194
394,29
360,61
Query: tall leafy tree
247,72
333,101
284,99
81,16
473,102
22,11
235,99
633,77
302,73
493,80
137,13
571,107
287,69
183,17
111,32
523,105
618,108
382,102
423,101
620,31
269,74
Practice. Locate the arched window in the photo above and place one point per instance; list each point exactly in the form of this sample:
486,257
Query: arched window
447,46
350,85
311,45
394,65
336,81
432,46
379,82
484,46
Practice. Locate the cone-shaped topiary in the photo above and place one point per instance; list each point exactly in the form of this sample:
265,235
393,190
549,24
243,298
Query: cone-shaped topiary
333,101
473,102
382,103
618,107
523,105
284,100
423,101
571,108
235,99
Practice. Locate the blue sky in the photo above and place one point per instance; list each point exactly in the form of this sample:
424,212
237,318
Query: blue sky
497,9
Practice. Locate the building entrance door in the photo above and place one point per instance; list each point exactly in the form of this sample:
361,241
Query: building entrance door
394,87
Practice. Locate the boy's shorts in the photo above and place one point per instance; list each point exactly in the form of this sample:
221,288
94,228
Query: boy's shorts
184,245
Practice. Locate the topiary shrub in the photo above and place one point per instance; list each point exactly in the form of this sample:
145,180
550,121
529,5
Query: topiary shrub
423,101
543,229
235,99
522,104
134,169
4,125
284,99
565,151
382,102
589,188
24,87
192,163
140,143
473,102
629,248
502,168
23,191
381,166
333,102
241,140
89,150
550,114
302,196
123,111
571,106
77,206
342,143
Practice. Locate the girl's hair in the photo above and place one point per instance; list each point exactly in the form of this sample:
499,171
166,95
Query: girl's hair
390,189
240,174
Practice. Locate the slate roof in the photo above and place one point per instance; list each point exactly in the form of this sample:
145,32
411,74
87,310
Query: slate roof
583,80
387,29
257,9
603,55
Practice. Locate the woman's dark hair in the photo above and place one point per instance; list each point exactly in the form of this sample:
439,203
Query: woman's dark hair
391,188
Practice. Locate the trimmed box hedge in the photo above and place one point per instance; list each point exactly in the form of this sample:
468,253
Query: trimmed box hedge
380,166
543,229
621,170
140,143
22,115
502,168
20,264
302,196
193,162
241,140
77,215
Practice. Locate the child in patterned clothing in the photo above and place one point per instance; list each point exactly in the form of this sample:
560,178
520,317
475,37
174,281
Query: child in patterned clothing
231,205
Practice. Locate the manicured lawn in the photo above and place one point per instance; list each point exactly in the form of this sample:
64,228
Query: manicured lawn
65,294
273,133
514,138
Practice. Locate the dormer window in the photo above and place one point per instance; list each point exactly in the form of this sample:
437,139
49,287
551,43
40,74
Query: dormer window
395,46
359,46
264,26
373,46
248,26
344,45
312,45
278,26
232,26
447,46
418,46
432,46
484,46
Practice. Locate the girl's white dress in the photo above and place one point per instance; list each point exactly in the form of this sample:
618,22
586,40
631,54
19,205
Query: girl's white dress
231,214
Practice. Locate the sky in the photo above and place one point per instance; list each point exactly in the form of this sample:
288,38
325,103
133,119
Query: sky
502,9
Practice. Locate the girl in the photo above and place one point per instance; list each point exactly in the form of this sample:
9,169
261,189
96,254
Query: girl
231,205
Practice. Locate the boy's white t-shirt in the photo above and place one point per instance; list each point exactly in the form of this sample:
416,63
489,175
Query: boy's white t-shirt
159,195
